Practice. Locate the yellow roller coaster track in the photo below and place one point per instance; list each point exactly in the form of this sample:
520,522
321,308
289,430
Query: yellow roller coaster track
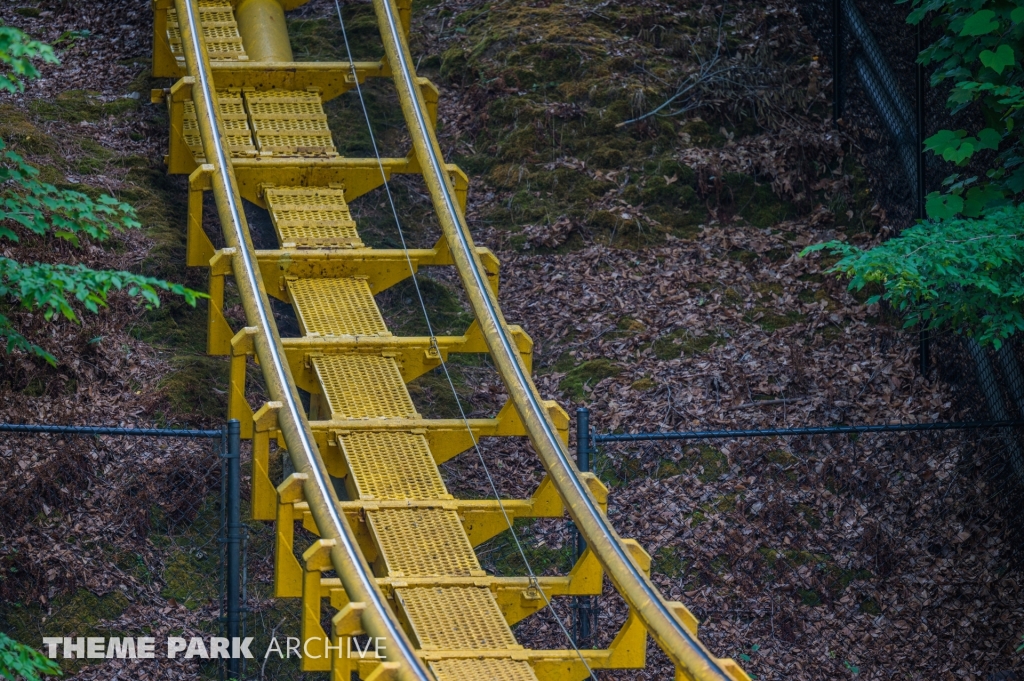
248,122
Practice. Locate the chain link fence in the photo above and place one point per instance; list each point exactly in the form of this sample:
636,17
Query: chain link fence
113,532
848,534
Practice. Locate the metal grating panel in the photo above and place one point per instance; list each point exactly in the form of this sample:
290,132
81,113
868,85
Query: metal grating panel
363,386
219,28
455,618
336,307
483,669
311,217
423,542
290,123
236,125
392,466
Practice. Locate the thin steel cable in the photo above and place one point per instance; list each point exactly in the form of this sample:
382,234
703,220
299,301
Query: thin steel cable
444,365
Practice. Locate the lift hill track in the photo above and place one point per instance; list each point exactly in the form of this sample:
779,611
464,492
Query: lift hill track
247,122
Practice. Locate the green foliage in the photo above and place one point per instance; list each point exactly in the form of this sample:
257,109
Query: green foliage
979,54
965,274
40,208
17,54
19,661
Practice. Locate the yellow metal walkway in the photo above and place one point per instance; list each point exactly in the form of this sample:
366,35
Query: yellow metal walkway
248,123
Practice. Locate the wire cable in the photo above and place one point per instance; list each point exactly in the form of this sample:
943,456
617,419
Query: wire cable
444,365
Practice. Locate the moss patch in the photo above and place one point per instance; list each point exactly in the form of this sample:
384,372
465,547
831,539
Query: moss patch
197,386
681,342
501,556
77,106
643,385
81,613
809,597
756,202
710,464
667,561
587,374
770,321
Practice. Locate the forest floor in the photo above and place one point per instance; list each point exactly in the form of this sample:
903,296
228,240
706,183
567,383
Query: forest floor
654,263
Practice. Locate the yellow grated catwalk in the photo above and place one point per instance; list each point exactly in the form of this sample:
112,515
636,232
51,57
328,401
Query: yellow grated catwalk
455,618
488,669
391,466
239,137
422,542
219,28
290,123
363,387
336,307
311,217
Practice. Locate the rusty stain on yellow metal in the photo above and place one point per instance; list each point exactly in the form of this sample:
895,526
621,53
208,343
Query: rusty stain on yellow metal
413,535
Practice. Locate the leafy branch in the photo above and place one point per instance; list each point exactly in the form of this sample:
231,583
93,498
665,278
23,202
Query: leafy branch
963,274
979,53
19,661
43,209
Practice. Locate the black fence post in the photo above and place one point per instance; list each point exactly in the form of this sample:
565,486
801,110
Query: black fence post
919,82
921,187
583,605
234,541
837,62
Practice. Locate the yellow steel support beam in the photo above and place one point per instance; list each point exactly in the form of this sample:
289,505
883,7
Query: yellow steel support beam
264,31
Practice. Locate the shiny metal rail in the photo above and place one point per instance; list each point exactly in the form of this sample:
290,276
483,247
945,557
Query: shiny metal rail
685,650
346,558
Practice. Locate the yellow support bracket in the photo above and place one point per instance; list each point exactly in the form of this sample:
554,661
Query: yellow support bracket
404,8
179,160
431,96
198,247
243,345
517,603
218,332
287,571
490,261
316,559
382,268
447,438
415,356
356,176
164,63
264,494
484,519
345,624
461,182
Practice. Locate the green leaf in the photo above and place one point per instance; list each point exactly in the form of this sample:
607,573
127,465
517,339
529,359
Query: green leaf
1017,15
19,661
980,23
989,139
943,206
978,199
998,60
943,140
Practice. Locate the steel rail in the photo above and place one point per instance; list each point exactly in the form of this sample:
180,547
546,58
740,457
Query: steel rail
685,650
378,619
